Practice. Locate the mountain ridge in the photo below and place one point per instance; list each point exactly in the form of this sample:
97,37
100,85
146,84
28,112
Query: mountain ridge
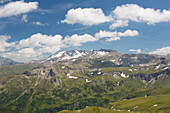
112,56
7,61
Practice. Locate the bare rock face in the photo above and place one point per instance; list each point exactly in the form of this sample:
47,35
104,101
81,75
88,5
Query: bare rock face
57,81
41,71
51,73
45,74
38,71
28,73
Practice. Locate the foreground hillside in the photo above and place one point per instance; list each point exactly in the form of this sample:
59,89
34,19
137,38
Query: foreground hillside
145,101
94,110
155,100
73,80
4,110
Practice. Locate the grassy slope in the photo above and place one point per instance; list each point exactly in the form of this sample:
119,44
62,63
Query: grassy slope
46,96
146,104
8,111
7,70
159,97
94,110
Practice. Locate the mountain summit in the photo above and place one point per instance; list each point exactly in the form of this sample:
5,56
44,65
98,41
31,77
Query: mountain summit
74,54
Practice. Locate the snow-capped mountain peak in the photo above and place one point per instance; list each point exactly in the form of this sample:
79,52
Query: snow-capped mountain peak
66,55
73,54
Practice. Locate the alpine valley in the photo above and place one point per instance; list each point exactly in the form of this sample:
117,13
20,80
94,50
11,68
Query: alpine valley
78,81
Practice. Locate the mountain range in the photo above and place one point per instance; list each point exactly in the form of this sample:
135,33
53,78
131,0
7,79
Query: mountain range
96,81
113,56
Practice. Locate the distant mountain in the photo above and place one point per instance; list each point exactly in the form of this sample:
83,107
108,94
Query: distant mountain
108,56
7,61
66,55
76,54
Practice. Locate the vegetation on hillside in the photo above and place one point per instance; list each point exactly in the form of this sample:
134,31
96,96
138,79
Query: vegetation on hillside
74,85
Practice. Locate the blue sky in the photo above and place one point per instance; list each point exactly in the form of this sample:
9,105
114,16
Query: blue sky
35,29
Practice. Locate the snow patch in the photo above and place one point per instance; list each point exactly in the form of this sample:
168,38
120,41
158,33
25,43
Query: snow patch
165,68
58,54
69,76
113,61
123,75
101,53
135,69
99,73
157,67
88,80
130,70
74,60
118,83
155,105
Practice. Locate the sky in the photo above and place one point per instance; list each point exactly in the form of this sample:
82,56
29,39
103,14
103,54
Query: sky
35,29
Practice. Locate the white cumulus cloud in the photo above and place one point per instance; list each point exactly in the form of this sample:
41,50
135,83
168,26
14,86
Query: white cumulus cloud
39,23
137,13
161,51
23,55
39,45
4,44
86,16
129,32
16,8
105,34
113,36
119,23
77,40
135,50
119,17
41,41
33,48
